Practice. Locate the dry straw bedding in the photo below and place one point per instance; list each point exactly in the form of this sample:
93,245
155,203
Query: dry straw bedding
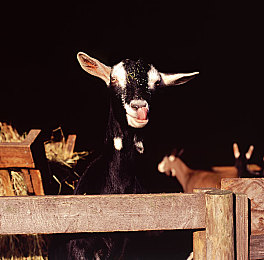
30,246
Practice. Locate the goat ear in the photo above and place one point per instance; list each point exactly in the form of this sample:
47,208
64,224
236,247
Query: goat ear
177,79
236,150
94,67
249,152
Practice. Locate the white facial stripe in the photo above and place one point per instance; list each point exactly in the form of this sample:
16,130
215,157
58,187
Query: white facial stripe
118,143
119,73
153,77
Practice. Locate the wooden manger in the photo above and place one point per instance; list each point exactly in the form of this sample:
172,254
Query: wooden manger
21,156
27,157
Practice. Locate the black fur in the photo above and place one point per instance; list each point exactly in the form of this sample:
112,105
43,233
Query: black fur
115,171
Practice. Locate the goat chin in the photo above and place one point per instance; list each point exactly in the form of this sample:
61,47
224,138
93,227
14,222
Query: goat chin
136,123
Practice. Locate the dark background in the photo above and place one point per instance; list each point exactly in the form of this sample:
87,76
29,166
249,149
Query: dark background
43,86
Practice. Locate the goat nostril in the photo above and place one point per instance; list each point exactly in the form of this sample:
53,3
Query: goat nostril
135,107
138,104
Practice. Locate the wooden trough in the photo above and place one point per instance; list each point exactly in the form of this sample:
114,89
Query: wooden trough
21,156
25,157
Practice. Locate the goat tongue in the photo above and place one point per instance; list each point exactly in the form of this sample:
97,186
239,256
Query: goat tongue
142,113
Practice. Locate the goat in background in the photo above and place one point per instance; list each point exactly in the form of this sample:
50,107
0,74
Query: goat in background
189,178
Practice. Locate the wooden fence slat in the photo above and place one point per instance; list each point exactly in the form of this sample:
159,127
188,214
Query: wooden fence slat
70,143
105,213
242,229
6,183
27,180
219,225
37,182
199,237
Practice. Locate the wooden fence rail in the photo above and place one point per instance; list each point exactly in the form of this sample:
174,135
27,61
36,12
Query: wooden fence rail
101,213
220,216
212,211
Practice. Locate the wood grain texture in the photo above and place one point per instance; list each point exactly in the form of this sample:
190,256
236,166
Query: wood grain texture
199,237
219,225
254,189
242,229
70,144
199,245
18,154
105,213
6,184
257,247
27,179
36,182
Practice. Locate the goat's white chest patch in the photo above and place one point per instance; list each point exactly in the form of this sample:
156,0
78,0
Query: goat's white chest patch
118,144
139,145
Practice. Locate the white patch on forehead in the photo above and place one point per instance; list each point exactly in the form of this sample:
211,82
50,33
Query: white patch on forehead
119,73
153,77
118,144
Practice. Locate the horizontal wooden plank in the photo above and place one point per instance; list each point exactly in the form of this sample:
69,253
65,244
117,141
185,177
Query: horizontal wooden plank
105,213
254,189
15,156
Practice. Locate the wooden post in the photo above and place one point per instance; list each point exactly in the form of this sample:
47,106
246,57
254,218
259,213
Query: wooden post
219,225
199,237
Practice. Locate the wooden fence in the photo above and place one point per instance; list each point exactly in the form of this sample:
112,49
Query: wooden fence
227,223
223,219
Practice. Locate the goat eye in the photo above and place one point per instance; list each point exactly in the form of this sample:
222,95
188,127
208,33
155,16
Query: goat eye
157,83
114,81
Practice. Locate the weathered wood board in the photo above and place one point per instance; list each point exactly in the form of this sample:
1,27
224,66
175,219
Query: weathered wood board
254,189
257,247
18,154
36,182
105,213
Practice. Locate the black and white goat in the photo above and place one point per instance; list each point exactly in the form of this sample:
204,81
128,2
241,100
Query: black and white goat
131,85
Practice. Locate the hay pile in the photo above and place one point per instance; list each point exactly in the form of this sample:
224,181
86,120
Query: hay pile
8,134
22,247
56,150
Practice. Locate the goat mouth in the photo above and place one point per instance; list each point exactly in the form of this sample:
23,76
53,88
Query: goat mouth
136,117
135,122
